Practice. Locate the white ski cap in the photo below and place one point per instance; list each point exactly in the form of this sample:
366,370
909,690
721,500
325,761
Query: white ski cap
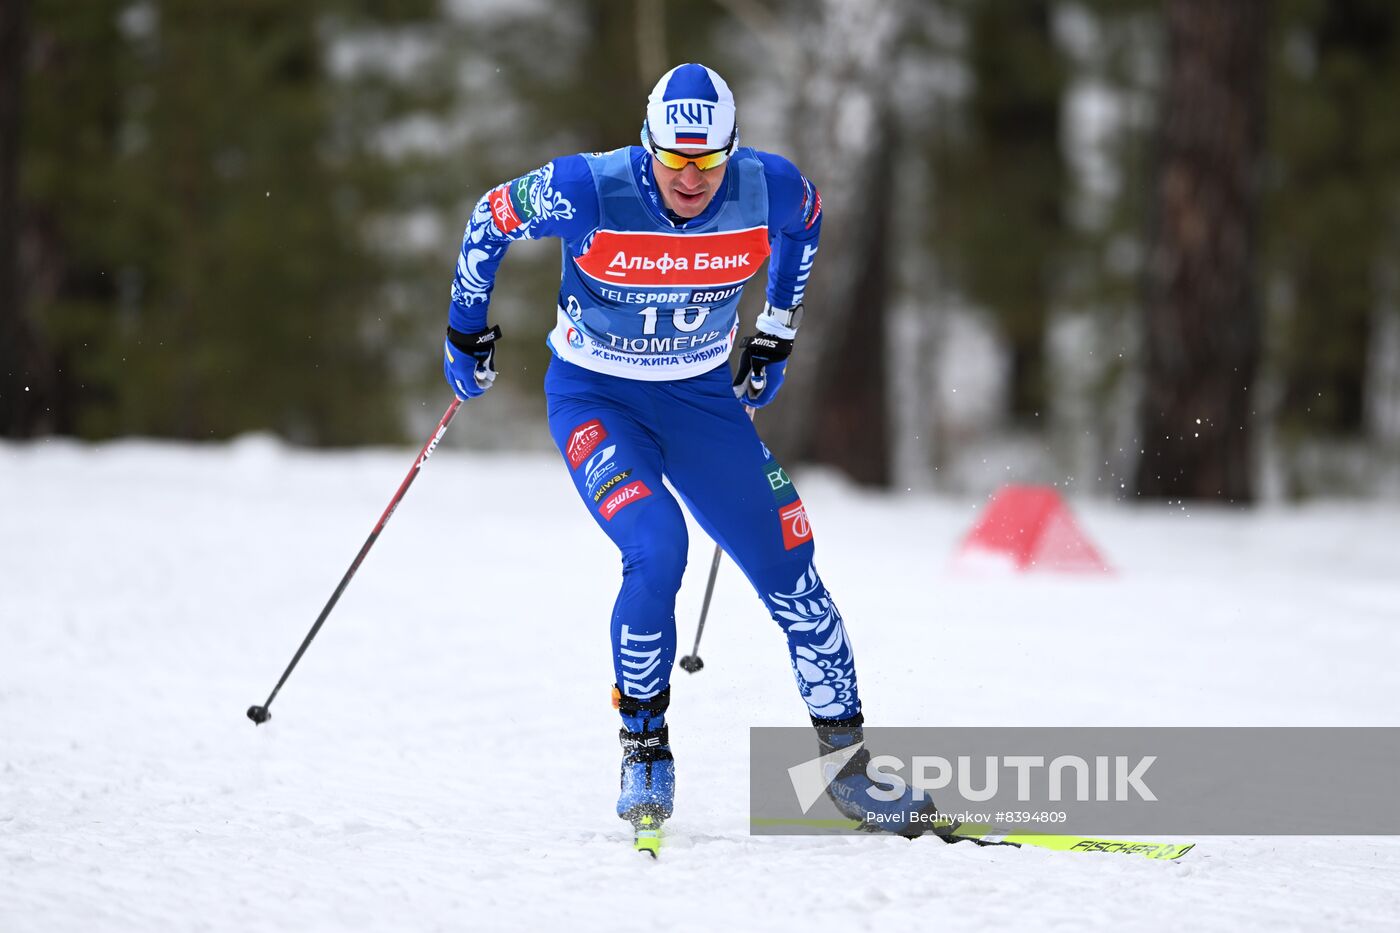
691,107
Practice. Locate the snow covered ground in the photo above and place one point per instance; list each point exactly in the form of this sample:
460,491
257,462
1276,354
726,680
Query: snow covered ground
445,756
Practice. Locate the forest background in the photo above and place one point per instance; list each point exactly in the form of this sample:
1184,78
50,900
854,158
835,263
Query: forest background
1136,249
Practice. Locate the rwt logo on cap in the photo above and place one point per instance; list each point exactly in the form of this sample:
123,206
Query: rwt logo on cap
691,121
691,106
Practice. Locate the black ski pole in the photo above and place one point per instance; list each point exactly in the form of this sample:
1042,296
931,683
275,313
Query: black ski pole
260,714
693,662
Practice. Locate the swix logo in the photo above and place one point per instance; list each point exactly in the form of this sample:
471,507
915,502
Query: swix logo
583,440
502,211
432,446
625,496
675,259
797,531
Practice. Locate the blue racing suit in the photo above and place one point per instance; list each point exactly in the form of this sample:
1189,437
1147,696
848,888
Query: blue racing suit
638,389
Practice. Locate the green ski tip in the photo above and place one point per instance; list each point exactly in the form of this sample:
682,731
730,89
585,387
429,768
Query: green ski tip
648,835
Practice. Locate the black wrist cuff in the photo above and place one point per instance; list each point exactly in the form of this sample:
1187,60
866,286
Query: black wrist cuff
474,343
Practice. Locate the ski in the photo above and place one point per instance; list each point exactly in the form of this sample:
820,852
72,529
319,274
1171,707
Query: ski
987,835
1002,835
647,834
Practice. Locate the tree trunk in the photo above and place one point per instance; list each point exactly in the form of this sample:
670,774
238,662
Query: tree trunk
834,406
1202,308
1010,182
851,417
17,395
1332,227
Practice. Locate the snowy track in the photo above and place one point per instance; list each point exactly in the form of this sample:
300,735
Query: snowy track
445,756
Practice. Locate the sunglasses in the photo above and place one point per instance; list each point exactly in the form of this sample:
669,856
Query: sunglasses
678,160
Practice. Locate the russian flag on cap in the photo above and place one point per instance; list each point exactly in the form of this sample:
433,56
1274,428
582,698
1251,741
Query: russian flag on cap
691,106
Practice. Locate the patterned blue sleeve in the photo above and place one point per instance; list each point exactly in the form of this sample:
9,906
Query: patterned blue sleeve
559,199
794,226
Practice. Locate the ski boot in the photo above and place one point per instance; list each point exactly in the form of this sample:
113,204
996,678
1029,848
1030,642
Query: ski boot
648,773
903,816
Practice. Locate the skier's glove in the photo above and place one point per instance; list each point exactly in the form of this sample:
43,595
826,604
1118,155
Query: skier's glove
763,363
761,369
469,361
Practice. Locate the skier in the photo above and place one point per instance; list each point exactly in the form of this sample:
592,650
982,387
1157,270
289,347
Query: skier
658,241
